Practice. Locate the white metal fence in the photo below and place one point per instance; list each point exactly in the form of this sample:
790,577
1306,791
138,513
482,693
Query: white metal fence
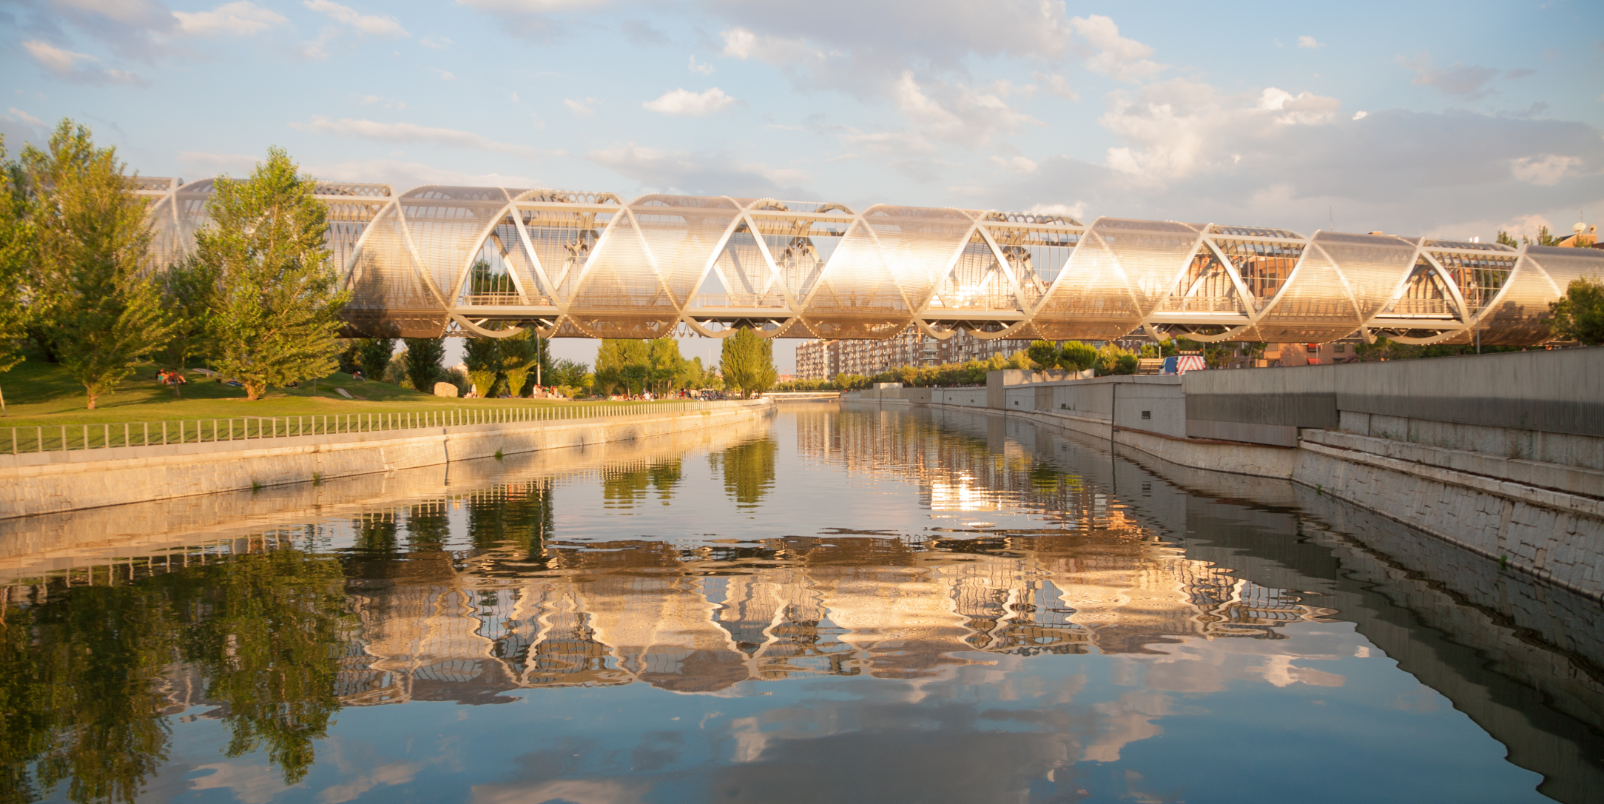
58,438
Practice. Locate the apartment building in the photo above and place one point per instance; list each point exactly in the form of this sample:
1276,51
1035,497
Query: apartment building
823,360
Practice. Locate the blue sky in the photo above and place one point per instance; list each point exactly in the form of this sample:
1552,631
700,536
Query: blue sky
1448,119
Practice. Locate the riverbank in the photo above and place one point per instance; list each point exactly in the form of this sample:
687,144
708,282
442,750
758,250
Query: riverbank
1501,455
55,482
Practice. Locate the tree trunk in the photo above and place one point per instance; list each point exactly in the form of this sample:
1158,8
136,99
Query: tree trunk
254,391
92,396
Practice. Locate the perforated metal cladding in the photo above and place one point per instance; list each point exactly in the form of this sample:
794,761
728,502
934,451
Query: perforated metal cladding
977,282
620,291
448,225
857,295
386,283
1150,254
1309,309
585,264
917,245
1090,298
681,234
1263,266
743,276
1374,267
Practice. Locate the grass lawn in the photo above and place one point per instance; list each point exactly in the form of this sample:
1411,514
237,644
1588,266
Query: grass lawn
39,393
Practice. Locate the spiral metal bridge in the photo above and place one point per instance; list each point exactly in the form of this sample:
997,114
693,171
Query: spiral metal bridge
489,261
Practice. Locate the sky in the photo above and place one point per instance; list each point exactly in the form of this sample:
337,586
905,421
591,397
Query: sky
1446,119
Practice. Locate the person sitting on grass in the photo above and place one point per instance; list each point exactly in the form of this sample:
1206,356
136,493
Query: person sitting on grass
356,374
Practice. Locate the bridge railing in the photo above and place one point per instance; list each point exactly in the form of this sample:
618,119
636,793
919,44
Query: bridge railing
105,435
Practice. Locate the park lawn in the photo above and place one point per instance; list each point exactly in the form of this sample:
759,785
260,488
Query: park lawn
39,393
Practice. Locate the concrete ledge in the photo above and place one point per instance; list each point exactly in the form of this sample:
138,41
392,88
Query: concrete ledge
1256,460
141,474
1568,479
1518,492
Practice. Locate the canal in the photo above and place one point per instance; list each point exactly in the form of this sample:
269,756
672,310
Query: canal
841,604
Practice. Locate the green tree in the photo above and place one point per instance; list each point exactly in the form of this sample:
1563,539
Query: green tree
516,355
1505,239
482,356
1044,354
100,313
276,320
1077,356
373,356
621,363
747,363
422,361
16,258
189,290
1111,359
748,471
1579,315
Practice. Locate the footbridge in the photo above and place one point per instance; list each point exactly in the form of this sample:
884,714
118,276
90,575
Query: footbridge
490,261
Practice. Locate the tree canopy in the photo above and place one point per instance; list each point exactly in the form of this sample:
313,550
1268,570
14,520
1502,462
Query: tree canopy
748,363
94,304
276,320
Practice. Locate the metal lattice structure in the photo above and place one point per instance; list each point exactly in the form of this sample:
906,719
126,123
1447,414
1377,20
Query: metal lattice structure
488,261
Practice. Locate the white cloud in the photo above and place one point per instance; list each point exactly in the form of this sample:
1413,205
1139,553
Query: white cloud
1310,42
410,133
1058,85
382,102
435,42
1544,171
53,58
746,45
1116,56
236,19
704,69
445,75
957,113
23,117
891,143
584,108
1017,164
1360,115
370,24
1467,81
709,173
1304,108
685,103
65,64
1076,210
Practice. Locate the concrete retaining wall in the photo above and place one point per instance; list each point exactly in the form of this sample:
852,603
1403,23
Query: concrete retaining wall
91,479
1560,392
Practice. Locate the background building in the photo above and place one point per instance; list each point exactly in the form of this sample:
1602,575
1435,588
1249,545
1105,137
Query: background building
823,360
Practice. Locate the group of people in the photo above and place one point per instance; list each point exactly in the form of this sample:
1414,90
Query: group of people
171,377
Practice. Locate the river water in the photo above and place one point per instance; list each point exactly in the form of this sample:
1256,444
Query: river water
840,604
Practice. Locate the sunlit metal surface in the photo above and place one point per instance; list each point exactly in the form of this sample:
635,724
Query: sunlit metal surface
457,260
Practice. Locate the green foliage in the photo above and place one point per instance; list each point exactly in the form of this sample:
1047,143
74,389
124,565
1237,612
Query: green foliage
189,291
268,645
516,356
515,515
421,362
99,312
276,320
637,366
1044,354
16,258
373,356
748,471
1579,315
1111,359
482,356
747,363
1077,356
1384,349
83,694
1505,239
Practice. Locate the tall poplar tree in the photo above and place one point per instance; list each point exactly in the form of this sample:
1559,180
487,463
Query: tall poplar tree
748,363
423,362
16,256
97,306
277,314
